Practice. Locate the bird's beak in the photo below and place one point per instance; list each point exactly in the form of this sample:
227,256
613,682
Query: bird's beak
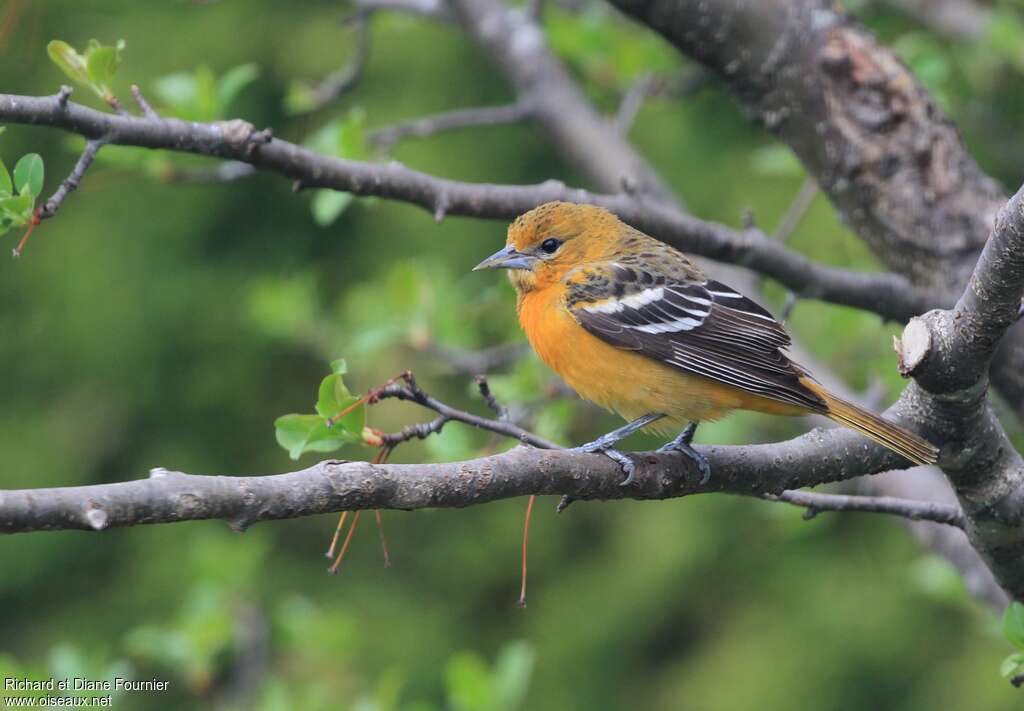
507,258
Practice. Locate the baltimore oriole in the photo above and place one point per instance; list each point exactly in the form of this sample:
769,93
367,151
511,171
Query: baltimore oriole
633,325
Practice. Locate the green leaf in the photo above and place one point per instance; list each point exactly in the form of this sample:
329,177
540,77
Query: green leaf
307,433
233,82
334,397
1012,666
102,63
17,208
1013,624
6,187
69,61
339,366
28,174
94,69
293,431
327,206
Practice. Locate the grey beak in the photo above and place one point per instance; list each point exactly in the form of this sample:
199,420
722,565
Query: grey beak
507,258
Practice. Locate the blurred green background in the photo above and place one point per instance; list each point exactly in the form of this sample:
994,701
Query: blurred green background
162,321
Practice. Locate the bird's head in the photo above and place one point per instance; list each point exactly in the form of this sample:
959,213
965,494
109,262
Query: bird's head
546,242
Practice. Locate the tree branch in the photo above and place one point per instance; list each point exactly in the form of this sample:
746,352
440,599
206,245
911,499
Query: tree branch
814,458
74,179
888,295
816,503
330,486
948,354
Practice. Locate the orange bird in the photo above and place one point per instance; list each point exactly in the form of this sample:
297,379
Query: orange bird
634,326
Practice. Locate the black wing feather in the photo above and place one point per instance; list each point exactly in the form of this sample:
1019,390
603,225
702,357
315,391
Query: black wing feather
706,329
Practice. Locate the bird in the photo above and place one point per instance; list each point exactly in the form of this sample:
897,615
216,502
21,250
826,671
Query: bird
633,325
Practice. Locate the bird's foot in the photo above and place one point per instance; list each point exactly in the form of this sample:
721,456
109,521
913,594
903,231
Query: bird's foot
682,444
599,447
605,444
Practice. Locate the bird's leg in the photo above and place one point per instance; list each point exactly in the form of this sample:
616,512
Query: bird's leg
605,444
682,444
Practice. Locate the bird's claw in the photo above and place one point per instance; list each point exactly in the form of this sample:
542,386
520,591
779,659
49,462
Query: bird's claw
605,444
602,446
682,444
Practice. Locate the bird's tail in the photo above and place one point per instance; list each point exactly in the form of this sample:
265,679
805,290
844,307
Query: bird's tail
915,448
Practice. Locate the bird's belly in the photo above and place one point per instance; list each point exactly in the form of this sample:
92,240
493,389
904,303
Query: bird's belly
628,383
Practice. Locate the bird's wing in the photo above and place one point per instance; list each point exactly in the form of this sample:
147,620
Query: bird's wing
701,327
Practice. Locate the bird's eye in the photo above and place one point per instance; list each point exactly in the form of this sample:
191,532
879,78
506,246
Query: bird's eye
550,245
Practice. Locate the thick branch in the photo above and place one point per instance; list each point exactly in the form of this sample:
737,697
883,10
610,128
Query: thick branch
815,458
864,127
948,354
885,294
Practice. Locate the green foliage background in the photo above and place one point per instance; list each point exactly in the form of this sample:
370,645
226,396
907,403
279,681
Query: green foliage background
158,322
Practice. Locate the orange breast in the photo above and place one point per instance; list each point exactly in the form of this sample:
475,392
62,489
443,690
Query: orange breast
631,384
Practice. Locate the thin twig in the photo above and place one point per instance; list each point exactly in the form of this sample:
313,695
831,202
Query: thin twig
385,138
492,402
412,392
115,103
816,503
74,179
143,104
